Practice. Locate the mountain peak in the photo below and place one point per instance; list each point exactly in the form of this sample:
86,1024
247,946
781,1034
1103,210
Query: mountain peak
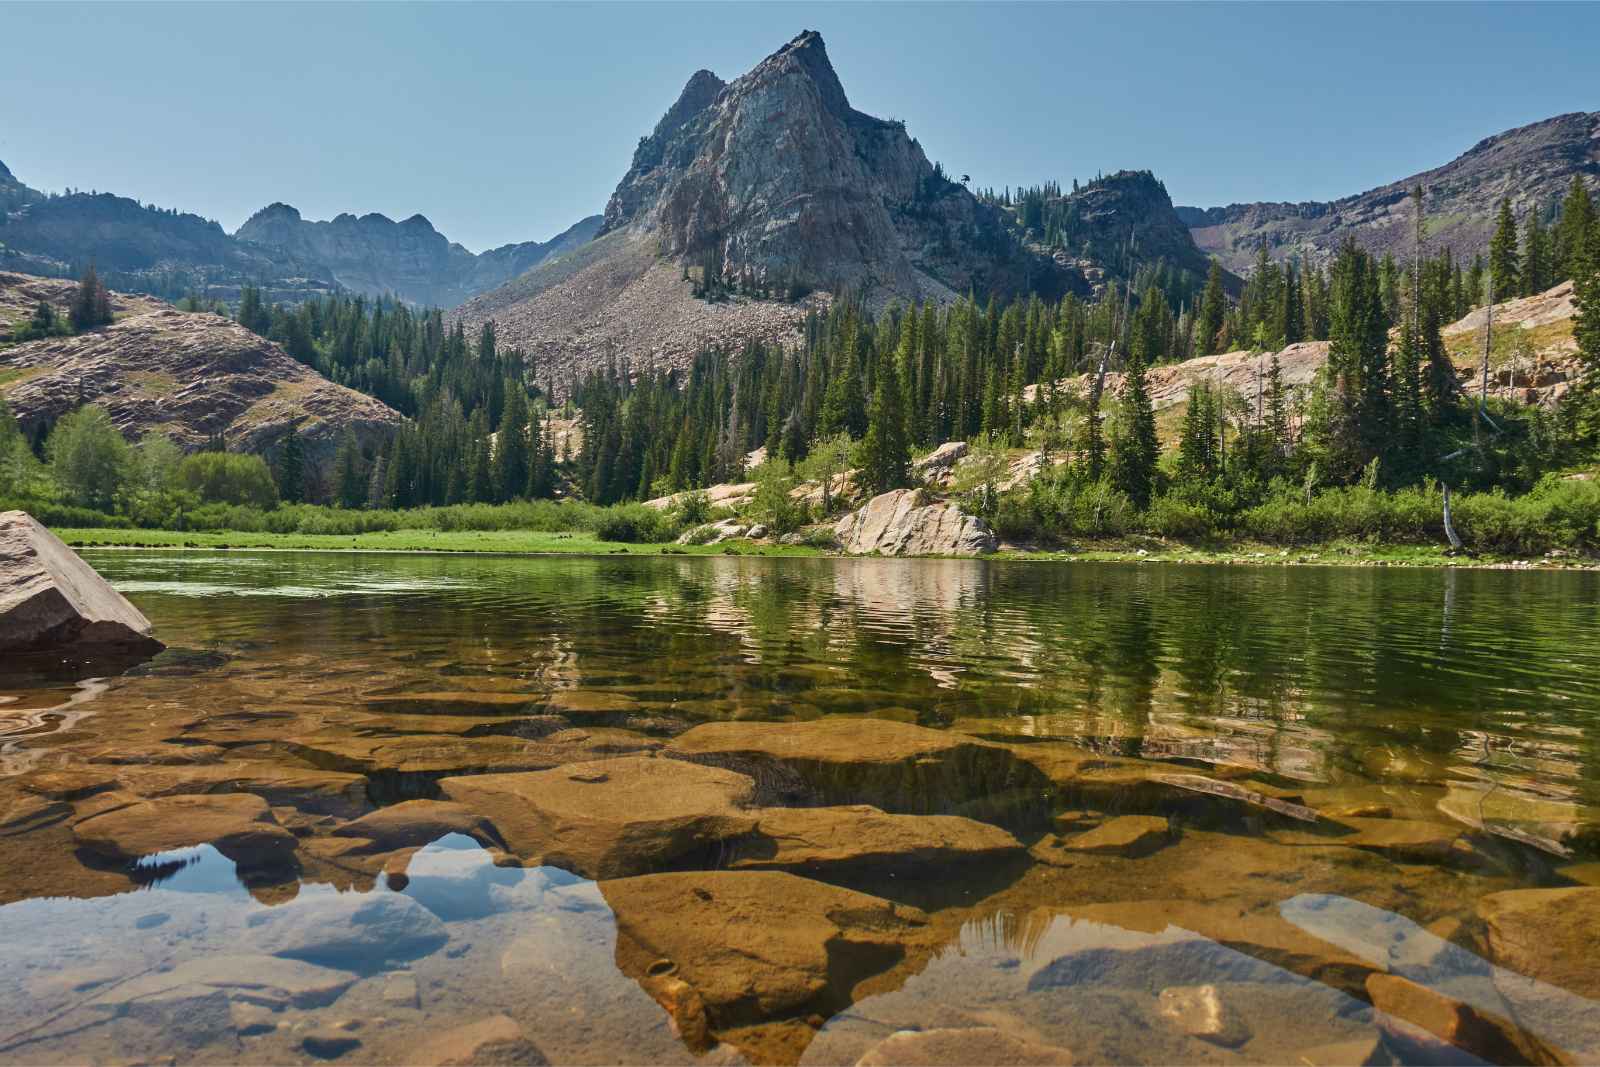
809,54
274,211
5,175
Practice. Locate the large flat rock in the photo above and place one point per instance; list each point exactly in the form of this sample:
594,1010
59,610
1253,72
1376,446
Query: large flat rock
754,945
51,599
819,840
239,825
1548,934
610,818
910,522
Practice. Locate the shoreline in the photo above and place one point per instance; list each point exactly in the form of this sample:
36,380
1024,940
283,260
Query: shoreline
517,543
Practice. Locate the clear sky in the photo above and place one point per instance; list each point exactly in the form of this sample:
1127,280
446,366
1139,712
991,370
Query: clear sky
506,122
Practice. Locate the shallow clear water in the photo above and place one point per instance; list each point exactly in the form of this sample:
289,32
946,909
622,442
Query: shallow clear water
1349,762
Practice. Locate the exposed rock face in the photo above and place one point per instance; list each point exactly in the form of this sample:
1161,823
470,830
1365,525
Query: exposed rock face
1532,165
377,256
50,598
1128,210
775,182
910,522
192,377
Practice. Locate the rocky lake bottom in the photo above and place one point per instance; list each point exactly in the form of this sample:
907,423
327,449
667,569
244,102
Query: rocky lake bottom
434,809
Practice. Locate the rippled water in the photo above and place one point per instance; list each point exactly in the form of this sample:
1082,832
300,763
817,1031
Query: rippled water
1350,762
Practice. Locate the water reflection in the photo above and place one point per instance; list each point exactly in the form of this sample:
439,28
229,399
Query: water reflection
1439,755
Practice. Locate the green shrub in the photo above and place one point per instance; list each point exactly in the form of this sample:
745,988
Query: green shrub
637,524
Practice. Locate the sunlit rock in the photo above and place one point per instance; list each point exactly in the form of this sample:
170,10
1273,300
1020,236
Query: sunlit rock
1459,1025
756,944
1128,836
492,1042
892,765
414,823
1200,1011
1548,934
910,522
961,1046
825,839
50,599
611,818
238,825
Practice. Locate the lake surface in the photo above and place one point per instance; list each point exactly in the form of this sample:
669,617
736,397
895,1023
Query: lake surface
787,810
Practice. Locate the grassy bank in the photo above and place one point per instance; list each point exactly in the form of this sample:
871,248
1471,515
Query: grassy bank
534,542
520,542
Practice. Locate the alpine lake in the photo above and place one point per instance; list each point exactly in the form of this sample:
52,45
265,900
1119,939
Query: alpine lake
395,808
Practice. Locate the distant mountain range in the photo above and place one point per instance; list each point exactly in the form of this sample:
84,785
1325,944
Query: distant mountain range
1532,165
141,248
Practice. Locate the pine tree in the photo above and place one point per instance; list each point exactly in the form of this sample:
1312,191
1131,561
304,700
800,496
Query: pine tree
885,450
1536,256
511,447
1135,448
1213,307
1197,447
91,304
1277,409
1504,269
378,484
1573,232
1586,331
350,483
292,469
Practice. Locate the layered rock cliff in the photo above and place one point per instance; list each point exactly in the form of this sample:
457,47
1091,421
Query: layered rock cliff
1532,165
193,377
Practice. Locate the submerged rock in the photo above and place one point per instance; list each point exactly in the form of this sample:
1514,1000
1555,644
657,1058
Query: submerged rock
756,945
238,825
491,1042
891,765
414,823
1200,1011
610,818
50,599
264,981
910,522
1456,1023
1128,835
956,1047
822,839
1548,934
355,929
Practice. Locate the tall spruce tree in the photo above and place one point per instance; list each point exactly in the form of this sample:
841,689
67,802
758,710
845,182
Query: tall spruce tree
885,450
1574,230
1135,447
1504,259
1536,255
511,447
1213,309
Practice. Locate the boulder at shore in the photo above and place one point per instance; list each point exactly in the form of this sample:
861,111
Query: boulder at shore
910,522
50,599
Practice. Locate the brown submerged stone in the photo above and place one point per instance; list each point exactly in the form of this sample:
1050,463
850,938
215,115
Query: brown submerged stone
757,945
610,818
822,839
1548,934
413,823
497,1041
238,825
1482,1034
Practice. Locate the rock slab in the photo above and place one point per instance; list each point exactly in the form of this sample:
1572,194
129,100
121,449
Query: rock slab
910,522
51,599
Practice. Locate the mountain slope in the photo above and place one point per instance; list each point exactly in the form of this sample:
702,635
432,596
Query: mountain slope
377,256
189,376
1532,165
767,188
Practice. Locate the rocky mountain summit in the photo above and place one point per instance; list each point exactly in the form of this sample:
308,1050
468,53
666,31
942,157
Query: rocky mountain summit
191,376
377,256
1532,165
745,198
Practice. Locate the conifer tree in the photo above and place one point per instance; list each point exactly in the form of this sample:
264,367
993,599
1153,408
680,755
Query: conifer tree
1504,260
511,447
350,483
1574,231
1135,448
885,450
91,304
1213,307
292,469
1536,256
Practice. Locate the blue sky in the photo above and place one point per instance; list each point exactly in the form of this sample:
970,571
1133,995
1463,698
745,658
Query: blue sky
508,122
